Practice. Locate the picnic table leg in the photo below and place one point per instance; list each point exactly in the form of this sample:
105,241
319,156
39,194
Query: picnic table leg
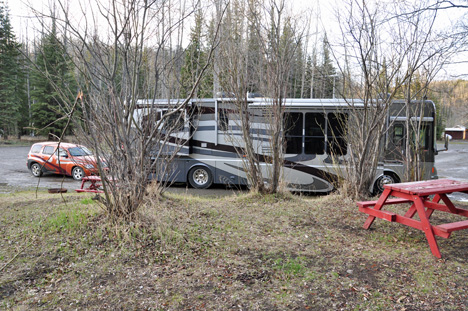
412,210
427,227
429,211
377,206
448,203
93,185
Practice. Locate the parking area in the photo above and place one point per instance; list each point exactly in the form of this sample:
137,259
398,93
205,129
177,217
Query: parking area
453,164
14,174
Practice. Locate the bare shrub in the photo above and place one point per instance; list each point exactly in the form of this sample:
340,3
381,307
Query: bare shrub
123,51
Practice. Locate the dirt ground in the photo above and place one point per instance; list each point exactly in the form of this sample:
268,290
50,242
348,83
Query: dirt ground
244,252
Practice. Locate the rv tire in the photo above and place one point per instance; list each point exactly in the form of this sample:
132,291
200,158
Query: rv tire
200,177
385,179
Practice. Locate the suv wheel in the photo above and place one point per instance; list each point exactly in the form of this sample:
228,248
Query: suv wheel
36,170
78,173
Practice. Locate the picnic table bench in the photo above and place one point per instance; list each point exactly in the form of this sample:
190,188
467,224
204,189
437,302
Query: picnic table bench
95,184
425,197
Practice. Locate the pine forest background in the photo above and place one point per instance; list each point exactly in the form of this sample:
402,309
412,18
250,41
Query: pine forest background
35,76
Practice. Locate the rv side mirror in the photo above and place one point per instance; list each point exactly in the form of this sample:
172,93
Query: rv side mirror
446,143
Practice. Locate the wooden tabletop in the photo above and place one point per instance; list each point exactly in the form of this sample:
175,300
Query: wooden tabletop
92,177
428,187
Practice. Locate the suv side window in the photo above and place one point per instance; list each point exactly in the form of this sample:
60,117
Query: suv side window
48,150
36,148
61,152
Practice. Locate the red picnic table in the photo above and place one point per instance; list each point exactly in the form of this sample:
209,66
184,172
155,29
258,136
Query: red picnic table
419,195
95,183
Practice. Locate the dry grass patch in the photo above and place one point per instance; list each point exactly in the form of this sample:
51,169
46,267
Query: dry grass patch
241,252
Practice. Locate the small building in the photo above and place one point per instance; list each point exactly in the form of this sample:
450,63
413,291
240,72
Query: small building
457,133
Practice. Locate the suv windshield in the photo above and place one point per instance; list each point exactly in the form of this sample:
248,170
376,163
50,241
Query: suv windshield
79,151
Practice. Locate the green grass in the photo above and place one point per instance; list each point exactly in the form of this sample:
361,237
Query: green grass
87,201
66,220
291,266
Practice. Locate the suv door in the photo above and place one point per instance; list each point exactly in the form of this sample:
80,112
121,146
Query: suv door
60,158
48,155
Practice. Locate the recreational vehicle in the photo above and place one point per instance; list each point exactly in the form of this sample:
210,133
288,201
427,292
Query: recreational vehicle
208,141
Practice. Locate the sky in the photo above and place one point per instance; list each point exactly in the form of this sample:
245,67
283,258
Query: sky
24,22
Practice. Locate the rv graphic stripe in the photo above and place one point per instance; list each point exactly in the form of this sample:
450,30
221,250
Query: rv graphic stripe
263,158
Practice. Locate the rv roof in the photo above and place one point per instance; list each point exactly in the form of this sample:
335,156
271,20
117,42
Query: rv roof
259,102
310,102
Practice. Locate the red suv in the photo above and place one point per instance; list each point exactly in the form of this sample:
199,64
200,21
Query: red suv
67,159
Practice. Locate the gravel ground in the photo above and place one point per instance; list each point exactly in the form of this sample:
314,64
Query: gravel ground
14,174
453,164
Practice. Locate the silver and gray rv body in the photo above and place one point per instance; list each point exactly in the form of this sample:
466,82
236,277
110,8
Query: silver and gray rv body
209,141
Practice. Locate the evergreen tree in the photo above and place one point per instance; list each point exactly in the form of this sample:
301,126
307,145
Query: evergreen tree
255,62
12,83
315,77
313,84
327,73
296,74
195,60
53,85
308,77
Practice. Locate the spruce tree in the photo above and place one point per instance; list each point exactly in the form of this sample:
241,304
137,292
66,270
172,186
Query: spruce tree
295,77
327,71
195,60
12,87
53,85
255,61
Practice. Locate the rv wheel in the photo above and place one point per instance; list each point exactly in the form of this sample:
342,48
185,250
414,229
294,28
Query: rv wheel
383,180
200,177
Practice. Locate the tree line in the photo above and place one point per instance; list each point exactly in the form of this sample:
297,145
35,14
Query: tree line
32,74
134,49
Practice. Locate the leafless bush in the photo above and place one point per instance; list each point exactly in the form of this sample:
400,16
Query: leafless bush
123,51
266,51
385,48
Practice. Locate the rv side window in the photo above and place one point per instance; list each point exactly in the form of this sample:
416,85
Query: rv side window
424,137
293,123
398,133
314,133
336,131
174,122
223,121
149,121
